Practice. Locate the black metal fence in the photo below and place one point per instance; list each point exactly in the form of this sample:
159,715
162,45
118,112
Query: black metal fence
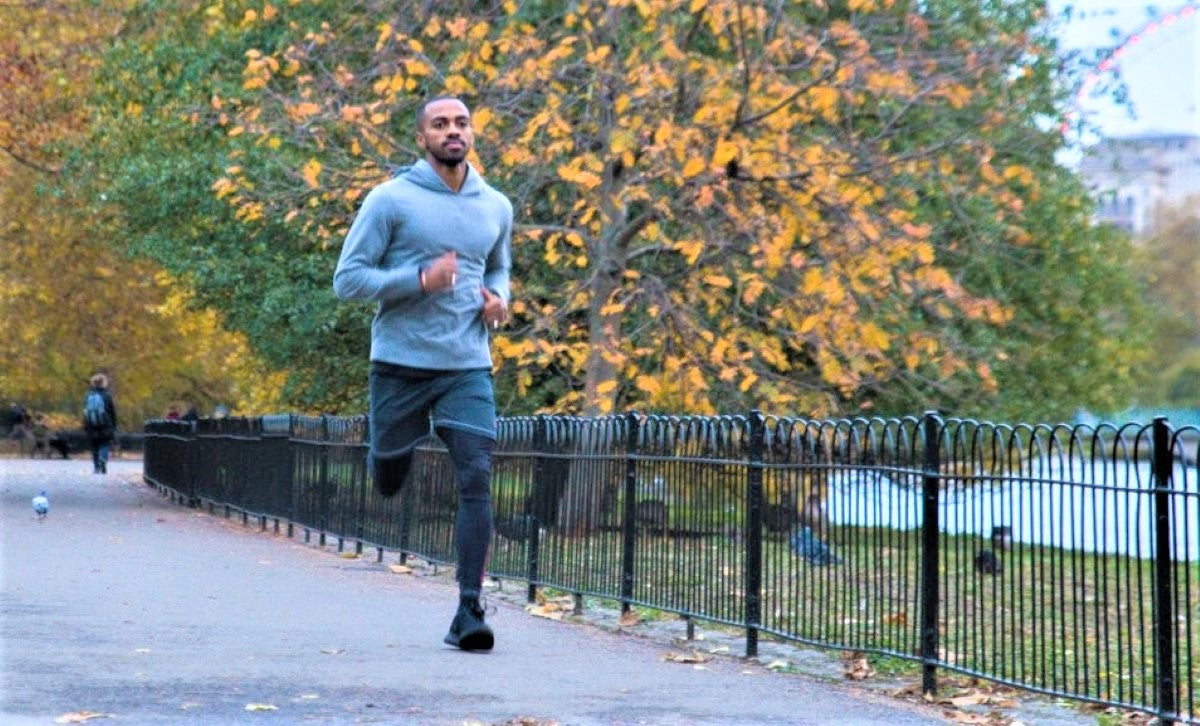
1059,559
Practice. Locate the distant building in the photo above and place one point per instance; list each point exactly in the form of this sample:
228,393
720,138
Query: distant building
1133,177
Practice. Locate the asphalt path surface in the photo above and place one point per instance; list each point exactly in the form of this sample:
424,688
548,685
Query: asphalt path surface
125,604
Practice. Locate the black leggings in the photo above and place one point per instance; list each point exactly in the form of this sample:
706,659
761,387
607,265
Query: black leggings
472,457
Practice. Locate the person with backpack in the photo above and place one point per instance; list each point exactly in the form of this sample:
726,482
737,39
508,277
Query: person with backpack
99,421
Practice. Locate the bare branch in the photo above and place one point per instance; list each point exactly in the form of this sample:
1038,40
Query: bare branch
28,163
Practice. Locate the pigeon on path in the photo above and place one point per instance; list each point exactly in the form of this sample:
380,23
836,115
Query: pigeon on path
41,505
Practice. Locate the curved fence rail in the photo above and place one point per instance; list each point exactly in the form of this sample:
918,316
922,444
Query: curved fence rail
1059,559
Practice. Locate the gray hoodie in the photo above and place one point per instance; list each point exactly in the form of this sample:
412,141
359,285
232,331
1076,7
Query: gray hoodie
403,225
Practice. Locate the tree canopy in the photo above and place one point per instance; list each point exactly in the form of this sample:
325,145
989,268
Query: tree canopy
71,302
819,208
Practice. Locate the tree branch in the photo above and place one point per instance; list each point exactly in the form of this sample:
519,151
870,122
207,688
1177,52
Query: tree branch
27,163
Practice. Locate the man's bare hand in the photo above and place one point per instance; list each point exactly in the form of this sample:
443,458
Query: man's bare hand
441,274
495,311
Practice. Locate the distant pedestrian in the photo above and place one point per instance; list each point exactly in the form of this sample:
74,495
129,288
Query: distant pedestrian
99,421
41,436
18,420
432,248
172,413
191,414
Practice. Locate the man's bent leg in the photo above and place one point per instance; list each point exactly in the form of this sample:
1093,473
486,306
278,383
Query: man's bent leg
399,419
389,475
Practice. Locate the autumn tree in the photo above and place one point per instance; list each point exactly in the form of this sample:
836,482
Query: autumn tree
1169,260
71,303
47,51
720,204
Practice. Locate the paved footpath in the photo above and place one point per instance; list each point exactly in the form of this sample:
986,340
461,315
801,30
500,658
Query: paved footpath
125,604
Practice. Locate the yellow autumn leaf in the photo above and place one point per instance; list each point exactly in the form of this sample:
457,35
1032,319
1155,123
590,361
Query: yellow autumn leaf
824,100
875,337
310,172
725,152
690,249
957,94
598,55
606,387
648,385
694,166
720,281
385,34
302,111
481,118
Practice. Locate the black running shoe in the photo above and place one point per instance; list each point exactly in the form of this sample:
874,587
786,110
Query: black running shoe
468,630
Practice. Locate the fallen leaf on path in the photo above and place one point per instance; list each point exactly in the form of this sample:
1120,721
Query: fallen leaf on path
630,618
971,699
261,707
80,716
963,717
548,610
350,555
858,667
778,665
691,657
400,569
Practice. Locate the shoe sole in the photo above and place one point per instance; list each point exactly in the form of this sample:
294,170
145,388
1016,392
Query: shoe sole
473,641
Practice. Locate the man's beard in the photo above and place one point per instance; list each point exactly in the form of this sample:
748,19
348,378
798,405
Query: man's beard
444,157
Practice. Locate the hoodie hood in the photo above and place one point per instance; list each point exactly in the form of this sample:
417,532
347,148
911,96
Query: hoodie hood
423,175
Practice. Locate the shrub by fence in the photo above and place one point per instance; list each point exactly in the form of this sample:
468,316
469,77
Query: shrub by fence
1063,560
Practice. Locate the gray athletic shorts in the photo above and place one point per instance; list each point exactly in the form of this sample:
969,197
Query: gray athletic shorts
408,404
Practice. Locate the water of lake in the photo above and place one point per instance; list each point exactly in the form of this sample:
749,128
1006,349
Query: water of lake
1066,507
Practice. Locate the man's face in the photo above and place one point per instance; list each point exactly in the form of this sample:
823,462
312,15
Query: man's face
445,131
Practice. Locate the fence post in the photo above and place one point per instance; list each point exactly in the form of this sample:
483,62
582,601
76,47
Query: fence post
541,444
929,554
754,506
323,479
191,465
1164,571
628,519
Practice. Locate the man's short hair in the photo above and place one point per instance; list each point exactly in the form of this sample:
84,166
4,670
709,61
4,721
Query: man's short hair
425,104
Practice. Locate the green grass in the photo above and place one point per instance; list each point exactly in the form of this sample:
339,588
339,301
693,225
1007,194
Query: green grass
1067,622
1070,622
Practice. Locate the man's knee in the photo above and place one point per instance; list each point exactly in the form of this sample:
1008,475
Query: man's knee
472,458
388,475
